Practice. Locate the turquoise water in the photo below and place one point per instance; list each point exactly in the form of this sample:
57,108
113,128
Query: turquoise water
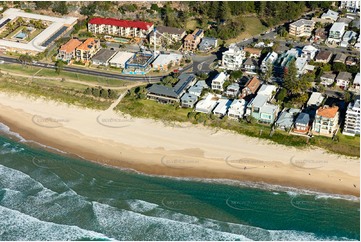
46,196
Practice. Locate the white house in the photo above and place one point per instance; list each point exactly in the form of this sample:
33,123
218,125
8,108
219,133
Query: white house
232,58
356,82
301,64
267,90
270,58
330,15
218,81
237,108
315,99
343,79
309,52
223,105
349,35
326,121
327,79
207,104
336,32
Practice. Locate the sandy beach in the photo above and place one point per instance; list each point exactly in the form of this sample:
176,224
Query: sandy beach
183,150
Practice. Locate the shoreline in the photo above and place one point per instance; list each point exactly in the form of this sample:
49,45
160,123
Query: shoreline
152,148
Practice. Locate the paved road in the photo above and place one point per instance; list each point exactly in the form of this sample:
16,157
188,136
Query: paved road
202,63
94,72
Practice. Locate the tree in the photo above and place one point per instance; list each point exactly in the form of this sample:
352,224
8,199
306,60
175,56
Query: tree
169,81
60,7
281,95
269,71
338,66
235,75
155,7
112,94
88,10
95,92
103,93
224,11
43,4
326,68
353,69
347,96
24,59
59,65
290,78
88,91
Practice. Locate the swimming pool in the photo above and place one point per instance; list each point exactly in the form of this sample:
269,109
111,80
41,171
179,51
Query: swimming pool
121,40
21,35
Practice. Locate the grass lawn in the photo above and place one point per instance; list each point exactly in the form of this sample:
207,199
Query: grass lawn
253,26
191,24
34,34
345,145
31,70
11,35
150,109
69,93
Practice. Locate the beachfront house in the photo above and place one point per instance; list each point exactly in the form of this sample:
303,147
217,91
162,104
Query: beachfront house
237,109
287,118
261,110
198,88
222,107
232,90
218,81
188,100
270,59
165,94
207,104
302,123
326,121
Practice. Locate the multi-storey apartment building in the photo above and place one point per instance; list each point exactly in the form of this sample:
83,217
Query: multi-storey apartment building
167,35
87,49
67,50
352,121
326,121
191,41
301,27
117,27
351,6
232,58
219,80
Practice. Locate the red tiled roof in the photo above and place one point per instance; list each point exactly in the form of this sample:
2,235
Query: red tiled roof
121,23
327,112
253,84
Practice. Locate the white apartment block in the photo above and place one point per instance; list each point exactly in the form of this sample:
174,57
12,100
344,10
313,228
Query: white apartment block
232,58
352,120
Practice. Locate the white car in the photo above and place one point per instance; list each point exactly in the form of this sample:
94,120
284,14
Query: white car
2,62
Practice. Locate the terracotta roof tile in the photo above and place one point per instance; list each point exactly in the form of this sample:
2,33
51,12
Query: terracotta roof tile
70,45
327,112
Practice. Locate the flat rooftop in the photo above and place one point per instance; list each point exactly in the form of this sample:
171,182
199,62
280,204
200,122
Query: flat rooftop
42,40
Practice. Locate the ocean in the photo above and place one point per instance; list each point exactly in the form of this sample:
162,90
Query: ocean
51,196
